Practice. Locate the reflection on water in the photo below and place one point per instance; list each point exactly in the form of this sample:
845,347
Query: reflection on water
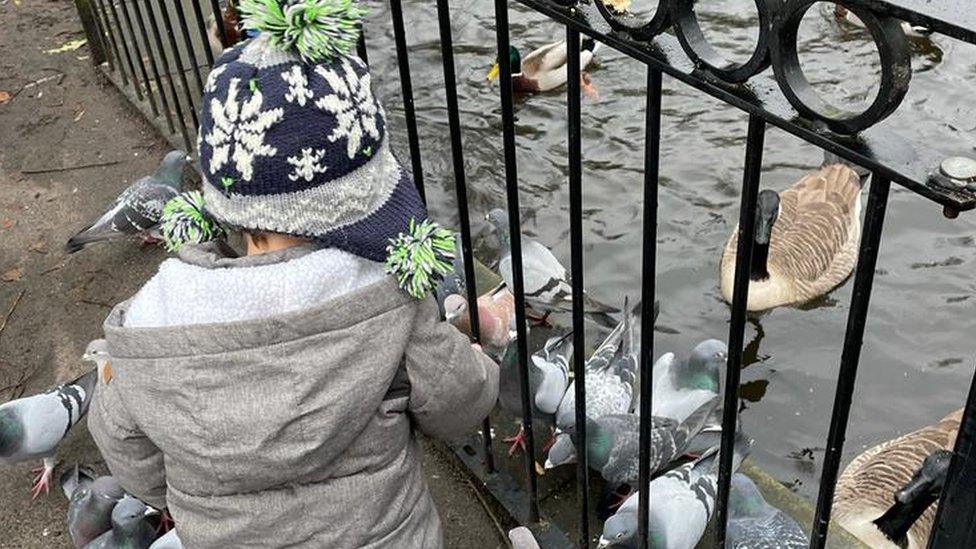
917,359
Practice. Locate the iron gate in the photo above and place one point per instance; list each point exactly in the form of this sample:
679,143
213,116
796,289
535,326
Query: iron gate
127,35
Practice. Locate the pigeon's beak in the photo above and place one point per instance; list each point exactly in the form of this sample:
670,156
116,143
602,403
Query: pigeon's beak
87,357
549,464
604,542
151,512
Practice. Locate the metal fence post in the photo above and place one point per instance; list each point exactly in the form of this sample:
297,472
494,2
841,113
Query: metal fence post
90,24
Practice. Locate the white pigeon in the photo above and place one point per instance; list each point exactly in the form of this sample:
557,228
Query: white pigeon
547,285
32,427
138,210
682,502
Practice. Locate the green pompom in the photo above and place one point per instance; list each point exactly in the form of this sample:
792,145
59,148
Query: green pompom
318,29
421,257
185,221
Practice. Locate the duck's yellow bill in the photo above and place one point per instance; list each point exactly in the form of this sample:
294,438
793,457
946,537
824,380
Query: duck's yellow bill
494,72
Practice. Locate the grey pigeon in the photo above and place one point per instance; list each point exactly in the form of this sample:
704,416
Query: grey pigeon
130,529
32,427
138,210
612,443
90,510
548,371
548,287
611,374
681,386
168,541
75,478
682,502
755,524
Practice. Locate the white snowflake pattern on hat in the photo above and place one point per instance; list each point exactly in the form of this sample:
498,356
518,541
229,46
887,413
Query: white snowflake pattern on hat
352,103
307,165
239,130
298,91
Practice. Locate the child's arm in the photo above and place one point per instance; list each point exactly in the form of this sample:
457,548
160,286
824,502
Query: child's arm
453,386
131,457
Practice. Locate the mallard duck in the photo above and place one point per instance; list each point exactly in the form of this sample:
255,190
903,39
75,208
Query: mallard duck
545,68
806,240
886,492
845,16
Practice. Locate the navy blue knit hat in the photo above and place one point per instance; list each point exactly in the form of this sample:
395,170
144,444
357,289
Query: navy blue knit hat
293,141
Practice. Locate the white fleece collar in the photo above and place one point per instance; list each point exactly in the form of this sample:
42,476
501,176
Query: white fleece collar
183,294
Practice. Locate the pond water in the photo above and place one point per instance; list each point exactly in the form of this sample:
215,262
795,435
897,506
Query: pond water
918,354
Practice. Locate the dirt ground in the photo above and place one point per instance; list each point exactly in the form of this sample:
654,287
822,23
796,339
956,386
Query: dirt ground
57,115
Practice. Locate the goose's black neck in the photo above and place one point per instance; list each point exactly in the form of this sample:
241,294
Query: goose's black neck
900,517
759,266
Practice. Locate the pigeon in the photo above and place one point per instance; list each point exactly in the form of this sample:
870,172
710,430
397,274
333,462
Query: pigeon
611,374
496,315
74,479
169,541
90,510
32,427
547,285
454,282
680,387
682,502
522,538
755,524
137,211
97,352
130,529
548,370
612,443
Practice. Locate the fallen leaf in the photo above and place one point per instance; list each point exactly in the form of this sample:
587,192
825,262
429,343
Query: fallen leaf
13,275
7,223
79,115
70,45
4,96
38,247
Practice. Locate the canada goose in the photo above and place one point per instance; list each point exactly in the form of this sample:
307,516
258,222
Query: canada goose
806,240
545,68
877,494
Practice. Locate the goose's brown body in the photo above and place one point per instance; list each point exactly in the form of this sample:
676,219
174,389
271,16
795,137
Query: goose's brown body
814,242
866,488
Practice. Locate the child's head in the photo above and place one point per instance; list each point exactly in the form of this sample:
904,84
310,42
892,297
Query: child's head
292,141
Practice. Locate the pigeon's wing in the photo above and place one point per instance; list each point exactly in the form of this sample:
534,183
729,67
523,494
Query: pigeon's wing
545,278
622,465
606,394
142,207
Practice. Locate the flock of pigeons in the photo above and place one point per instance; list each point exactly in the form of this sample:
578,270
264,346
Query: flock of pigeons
804,234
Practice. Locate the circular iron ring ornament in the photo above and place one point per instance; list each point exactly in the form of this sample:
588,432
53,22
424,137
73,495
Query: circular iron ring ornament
697,48
637,28
896,68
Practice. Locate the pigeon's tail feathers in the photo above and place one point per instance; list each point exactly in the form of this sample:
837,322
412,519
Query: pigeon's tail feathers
74,478
604,320
696,421
591,305
85,237
708,463
87,382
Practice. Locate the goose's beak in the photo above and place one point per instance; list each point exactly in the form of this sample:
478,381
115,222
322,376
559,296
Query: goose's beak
494,72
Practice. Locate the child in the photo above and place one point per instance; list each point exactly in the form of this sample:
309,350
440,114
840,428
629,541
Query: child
270,400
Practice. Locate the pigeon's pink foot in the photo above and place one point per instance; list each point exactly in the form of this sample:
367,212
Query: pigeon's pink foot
145,241
165,522
42,479
538,320
517,441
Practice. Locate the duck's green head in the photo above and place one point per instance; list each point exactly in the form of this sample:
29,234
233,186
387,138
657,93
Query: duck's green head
11,432
514,57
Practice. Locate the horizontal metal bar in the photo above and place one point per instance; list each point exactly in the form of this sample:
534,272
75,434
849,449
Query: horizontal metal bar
955,18
878,149
853,337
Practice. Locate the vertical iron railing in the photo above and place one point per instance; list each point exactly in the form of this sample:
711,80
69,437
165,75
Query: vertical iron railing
755,139
576,274
515,228
652,163
461,190
127,44
853,337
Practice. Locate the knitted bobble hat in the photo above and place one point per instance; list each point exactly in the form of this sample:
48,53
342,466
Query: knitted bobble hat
293,141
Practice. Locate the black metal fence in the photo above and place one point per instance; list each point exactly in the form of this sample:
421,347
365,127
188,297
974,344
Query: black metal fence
162,66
